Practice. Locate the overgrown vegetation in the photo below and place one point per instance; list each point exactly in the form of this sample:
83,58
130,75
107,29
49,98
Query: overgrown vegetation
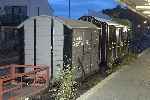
126,60
64,87
129,58
67,88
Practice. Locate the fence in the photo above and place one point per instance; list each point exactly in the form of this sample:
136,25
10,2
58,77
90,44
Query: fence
22,80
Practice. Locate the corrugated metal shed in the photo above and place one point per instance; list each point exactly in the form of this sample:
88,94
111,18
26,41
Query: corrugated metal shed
112,40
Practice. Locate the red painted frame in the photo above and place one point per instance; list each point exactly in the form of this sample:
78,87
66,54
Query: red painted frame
42,69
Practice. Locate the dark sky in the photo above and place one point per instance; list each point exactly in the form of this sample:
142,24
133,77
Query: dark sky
80,7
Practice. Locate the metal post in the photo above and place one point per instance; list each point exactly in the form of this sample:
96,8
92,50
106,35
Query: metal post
38,11
1,89
13,72
35,42
34,83
69,9
21,82
47,76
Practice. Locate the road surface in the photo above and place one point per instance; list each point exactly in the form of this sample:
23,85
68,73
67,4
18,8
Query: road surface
132,82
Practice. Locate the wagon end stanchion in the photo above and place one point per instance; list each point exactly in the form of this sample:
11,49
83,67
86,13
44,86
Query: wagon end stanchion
1,89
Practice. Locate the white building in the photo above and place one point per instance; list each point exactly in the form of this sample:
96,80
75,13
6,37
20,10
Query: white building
26,7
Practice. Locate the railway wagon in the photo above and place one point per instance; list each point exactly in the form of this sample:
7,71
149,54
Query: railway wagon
58,42
113,41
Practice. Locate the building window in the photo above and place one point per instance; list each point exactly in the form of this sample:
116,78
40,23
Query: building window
14,15
16,10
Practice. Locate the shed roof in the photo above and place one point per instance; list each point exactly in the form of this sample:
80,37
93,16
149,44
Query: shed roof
68,22
109,22
79,24
32,18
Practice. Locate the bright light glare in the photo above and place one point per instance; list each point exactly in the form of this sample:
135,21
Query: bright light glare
146,12
142,7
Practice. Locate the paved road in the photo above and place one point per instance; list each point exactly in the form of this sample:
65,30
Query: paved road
130,83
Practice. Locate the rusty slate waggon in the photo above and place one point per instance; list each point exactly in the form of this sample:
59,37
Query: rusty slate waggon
58,42
113,41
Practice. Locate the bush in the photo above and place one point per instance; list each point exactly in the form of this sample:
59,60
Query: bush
126,60
67,84
129,58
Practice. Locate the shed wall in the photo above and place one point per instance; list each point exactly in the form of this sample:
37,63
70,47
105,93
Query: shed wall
43,41
58,45
85,51
29,42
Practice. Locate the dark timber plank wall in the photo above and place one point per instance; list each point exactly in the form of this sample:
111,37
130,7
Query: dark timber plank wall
67,56
103,41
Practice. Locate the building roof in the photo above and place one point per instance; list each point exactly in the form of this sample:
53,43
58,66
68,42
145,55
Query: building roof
31,18
141,7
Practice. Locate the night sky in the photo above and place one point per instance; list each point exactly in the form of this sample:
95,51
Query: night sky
80,7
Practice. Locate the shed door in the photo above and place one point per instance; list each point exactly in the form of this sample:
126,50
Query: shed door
29,42
43,39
